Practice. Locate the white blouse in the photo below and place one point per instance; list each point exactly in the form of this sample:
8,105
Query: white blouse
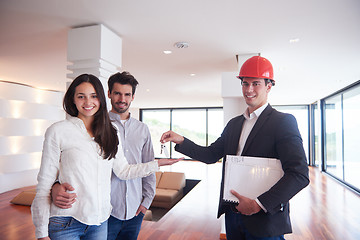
71,155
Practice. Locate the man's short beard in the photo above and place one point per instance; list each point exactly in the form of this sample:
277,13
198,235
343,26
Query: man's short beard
119,110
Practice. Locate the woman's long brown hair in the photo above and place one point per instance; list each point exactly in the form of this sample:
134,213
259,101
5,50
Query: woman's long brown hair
104,132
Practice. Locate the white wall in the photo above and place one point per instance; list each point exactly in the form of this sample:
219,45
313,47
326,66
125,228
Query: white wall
231,92
135,112
25,114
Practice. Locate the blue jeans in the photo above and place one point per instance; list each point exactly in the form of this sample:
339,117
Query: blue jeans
124,229
71,229
236,230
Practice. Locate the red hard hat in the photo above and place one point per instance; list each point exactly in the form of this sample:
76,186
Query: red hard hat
257,67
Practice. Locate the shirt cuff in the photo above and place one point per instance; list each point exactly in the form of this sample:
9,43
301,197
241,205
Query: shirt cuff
259,203
146,204
41,231
156,166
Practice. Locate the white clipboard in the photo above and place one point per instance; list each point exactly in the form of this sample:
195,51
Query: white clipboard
250,176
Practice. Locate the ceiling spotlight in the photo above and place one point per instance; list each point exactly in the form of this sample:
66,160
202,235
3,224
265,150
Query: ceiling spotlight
192,74
181,45
294,40
167,52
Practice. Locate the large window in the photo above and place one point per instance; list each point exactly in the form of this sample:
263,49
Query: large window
158,121
334,136
316,131
351,111
342,135
190,123
215,124
201,125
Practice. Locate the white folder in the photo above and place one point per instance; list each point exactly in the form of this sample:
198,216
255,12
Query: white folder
250,176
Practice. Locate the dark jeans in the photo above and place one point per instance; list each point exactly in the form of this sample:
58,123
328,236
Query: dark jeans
236,230
124,229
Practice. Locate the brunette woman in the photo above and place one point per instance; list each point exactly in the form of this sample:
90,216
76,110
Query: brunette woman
82,150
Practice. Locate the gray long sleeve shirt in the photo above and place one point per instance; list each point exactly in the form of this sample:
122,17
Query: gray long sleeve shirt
128,195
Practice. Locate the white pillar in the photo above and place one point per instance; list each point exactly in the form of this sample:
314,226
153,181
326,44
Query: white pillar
95,50
234,103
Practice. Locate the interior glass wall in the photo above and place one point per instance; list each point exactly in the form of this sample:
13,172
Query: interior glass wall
316,125
351,113
334,136
342,135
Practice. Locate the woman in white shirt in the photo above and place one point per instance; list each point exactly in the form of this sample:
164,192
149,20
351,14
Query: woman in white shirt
82,150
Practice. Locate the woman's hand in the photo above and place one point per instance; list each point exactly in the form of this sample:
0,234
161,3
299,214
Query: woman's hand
168,161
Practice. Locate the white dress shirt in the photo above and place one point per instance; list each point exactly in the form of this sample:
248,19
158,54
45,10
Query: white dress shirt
71,155
250,120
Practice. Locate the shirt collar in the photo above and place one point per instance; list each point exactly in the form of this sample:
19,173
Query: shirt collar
76,121
116,117
256,113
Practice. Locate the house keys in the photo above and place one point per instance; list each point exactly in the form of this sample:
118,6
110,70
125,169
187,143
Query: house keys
164,151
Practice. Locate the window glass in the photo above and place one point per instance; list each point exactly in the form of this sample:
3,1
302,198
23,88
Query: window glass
317,131
351,111
333,136
190,123
203,125
158,122
215,124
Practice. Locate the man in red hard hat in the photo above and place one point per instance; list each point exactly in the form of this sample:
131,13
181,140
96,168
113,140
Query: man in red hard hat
262,132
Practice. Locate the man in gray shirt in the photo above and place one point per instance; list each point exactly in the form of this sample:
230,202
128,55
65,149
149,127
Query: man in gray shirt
131,198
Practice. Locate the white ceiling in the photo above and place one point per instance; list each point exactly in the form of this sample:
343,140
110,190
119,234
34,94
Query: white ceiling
33,44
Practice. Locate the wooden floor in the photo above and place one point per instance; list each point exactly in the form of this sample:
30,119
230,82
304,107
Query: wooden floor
324,210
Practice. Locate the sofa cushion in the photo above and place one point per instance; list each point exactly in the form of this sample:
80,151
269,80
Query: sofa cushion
158,176
172,180
24,198
166,195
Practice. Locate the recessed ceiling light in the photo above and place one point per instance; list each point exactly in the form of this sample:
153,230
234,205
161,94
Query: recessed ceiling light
167,52
294,40
192,74
181,45
147,90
